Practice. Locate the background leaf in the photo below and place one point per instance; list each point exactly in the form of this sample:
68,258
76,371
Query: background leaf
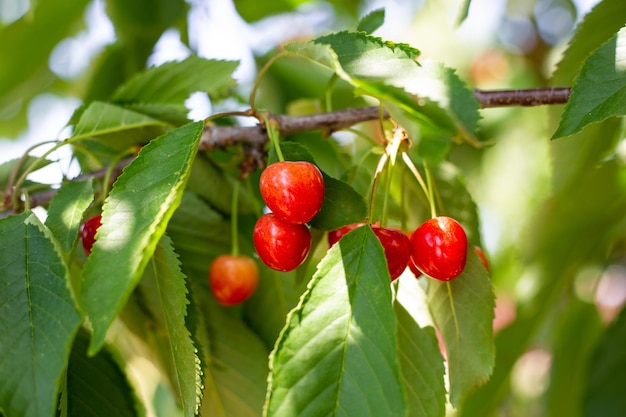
371,21
463,310
38,318
598,92
604,394
89,377
66,209
134,218
340,340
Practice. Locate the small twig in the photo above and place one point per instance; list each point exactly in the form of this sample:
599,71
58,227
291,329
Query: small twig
526,97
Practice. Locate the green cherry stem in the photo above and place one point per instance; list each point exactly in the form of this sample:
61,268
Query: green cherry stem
259,77
382,162
409,163
234,220
431,195
272,134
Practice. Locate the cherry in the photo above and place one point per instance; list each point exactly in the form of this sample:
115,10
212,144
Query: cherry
397,247
233,278
440,248
413,268
482,257
88,232
293,190
280,245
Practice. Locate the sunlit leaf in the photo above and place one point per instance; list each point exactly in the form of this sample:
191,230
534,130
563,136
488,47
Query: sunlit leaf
599,91
38,317
66,209
421,362
134,218
337,353
463,310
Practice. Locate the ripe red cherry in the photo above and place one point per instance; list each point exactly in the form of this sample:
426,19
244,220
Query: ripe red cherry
413,268
233,278
397,247
280,245
293,190
440,248
335,235
88,232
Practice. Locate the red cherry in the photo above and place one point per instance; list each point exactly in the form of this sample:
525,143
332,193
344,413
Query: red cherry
482,257
233,278
440,248
397,247
413,268
335,235
281,246
88,232
293,190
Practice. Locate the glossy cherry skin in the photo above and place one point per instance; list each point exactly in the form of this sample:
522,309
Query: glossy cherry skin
335,235
280,245
293,190
233,278
397,247
440,248
413,268
88,232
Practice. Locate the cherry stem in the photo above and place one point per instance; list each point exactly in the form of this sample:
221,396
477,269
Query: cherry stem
431,196
328,102
381,165
234,217
272,134
420,180
259,77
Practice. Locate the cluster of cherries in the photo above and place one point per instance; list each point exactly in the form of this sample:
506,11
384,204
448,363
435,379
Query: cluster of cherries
437,248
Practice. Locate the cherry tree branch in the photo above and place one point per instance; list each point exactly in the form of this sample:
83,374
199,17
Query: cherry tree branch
255,137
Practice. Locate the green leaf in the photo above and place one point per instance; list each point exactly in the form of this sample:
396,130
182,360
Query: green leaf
174,81
371,21
599,90
234,358
66,209
463,11
600,24
6,168
569,372
38,318
337,353
421,362
463,310
342,205
89,377
135,215
25,47
605,394
104,119
145,18
171,288
252,10
430,94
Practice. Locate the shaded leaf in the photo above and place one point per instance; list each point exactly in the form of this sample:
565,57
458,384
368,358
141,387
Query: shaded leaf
38,318
421,362
171,288
371,21
600,24
337,353
174,81
89,377
599,91
134,217
66,209
605,394
6,168
463,310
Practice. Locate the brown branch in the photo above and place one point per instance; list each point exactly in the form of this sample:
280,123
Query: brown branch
255,137
526,97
